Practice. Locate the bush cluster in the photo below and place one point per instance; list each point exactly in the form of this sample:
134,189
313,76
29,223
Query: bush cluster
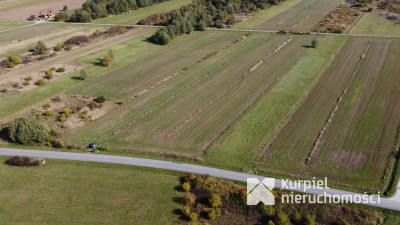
77,40
22,161
28,130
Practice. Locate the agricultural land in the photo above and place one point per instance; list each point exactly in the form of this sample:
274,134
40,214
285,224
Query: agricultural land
296,89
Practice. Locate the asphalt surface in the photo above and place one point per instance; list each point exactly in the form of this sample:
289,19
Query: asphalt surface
190,168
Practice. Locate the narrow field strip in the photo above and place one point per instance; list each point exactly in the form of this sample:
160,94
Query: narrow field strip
331,116
370,108
296,139
238,145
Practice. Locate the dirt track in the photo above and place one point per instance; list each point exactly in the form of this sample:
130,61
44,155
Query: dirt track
88,49
25,11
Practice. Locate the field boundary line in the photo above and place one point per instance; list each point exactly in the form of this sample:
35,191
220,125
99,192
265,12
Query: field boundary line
356,23
14,28
331,116
264,147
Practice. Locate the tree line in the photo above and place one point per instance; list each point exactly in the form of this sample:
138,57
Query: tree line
95,9
202,14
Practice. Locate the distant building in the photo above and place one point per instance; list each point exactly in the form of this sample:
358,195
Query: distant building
33,18
46,13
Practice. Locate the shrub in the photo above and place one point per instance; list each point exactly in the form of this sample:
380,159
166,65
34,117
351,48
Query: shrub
40,82
15,85
73,111
58,47
60,70
314,44
58,144
62,118
28,78
281,219
53,133
117,29
26,83
65,8
188,199
68,47
41,48
186,186
193,216
27,130
46,106
85,112
121,102
49,74
215,200
84,75
10,65
83,116
101,99
106,60
22,161
14,59
66,111
77,40
47,113
5,90
309,220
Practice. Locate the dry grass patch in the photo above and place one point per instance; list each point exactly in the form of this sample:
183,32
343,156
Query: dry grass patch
337,21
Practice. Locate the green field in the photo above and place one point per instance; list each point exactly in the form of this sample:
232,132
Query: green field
291,15
170,115
370,109
142,13
64,192
5,25
347,140
373,24
134,49
238,147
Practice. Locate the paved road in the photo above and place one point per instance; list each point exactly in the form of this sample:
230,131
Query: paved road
184,167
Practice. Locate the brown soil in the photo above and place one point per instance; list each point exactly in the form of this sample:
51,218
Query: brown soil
25,11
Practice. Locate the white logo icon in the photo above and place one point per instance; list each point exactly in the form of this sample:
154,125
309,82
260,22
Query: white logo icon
260,191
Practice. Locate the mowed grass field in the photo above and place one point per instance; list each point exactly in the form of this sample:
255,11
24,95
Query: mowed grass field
180,104
142,13
358,136
238,147
291,15
373,24
5,25
66,192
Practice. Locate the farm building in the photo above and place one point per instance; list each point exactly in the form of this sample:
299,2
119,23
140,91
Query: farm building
46,13
33,18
